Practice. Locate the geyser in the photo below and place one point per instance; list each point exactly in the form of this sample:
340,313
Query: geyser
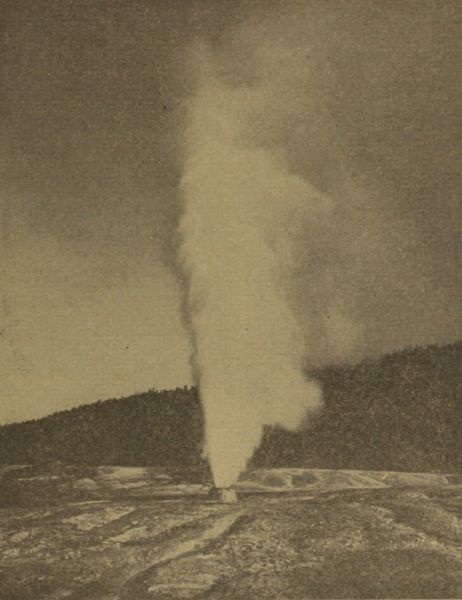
244,211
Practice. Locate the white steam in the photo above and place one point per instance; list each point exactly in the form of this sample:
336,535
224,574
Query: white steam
244,215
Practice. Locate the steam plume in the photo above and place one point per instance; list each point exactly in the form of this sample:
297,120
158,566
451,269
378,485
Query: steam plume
244,214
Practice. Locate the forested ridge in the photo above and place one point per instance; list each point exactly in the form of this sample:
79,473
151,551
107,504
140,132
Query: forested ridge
401,411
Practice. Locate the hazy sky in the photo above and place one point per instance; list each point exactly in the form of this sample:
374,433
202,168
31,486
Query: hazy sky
366,105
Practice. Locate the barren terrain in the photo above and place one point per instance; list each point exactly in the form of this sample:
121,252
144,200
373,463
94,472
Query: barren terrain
112,533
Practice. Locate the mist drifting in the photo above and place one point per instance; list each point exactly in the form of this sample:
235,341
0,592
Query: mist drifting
299,249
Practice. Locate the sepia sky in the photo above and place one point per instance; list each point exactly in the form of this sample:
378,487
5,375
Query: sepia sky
92,106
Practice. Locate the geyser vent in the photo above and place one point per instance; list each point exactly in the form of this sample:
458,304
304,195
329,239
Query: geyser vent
224,495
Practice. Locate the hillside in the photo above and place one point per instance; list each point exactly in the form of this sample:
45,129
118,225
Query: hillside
401,411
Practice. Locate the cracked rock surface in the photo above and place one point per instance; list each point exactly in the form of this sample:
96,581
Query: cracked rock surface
115,533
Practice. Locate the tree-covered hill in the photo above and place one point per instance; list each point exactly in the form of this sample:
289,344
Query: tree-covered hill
402,411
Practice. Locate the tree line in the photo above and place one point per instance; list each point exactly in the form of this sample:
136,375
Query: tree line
401,411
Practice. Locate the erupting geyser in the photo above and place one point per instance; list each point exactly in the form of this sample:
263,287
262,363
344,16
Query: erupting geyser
244,212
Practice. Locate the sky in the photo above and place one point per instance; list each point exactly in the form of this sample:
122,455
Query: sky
364,99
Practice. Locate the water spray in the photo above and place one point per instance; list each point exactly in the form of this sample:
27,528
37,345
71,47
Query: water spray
242,220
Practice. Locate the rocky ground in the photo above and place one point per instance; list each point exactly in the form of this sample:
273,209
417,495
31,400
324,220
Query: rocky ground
112,533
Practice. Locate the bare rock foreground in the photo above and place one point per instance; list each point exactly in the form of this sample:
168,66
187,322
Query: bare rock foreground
125,533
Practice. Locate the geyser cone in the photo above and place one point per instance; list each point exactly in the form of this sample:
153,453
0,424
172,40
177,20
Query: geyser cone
224,495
